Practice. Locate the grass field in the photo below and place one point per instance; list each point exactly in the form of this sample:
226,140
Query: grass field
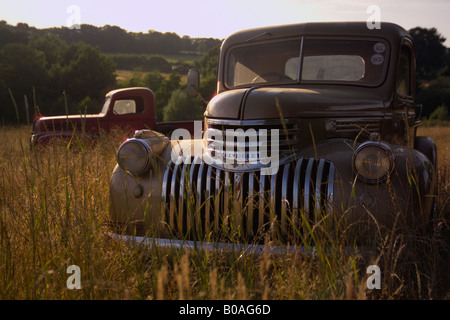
53,203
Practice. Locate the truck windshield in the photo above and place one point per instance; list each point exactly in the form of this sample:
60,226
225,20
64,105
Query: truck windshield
318,60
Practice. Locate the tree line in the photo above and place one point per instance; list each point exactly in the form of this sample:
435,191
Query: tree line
112,39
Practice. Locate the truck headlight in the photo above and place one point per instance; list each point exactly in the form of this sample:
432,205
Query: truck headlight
134,156
373,162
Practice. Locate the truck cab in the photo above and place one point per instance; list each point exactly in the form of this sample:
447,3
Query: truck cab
309,121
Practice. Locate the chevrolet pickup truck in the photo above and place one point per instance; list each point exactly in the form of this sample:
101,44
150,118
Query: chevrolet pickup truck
128,109
313,127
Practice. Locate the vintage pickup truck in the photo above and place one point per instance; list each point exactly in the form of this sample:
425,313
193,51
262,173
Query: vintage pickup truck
128,109
310,121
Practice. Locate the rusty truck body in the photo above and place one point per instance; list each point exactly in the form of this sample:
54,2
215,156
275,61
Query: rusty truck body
310,120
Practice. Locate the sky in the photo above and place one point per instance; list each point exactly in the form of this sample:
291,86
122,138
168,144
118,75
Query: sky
218,19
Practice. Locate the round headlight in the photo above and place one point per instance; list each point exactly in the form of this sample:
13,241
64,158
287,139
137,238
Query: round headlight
373,162
134,156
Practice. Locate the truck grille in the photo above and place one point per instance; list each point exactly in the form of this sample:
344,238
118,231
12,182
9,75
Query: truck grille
249,144
200,200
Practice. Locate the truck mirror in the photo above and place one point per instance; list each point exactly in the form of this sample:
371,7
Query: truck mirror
193,83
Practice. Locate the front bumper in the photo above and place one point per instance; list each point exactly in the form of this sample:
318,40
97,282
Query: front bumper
242,249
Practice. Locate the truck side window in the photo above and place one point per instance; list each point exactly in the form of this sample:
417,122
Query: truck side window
404,73
127,106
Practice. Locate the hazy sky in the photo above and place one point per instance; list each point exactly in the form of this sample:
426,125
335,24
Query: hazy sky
220,18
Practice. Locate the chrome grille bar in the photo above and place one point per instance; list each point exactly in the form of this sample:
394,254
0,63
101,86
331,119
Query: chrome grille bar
250,204
208,201
173,195
181,197
218,201
318,191
262,200
285,194
199,199
308,186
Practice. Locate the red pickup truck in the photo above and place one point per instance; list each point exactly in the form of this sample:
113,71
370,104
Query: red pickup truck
128,109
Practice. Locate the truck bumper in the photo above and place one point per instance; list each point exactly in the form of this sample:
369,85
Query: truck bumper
220,247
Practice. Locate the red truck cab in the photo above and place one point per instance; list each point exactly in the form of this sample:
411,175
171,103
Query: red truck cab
127,109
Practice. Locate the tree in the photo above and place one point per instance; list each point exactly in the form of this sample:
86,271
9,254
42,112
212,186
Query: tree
21,66
446,70
181,107
51,45
431,52
10,34
87,73
208,63
435,94
207,66
21,69
162,88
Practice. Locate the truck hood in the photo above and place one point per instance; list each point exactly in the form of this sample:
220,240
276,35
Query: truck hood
271,103
67,122
76,117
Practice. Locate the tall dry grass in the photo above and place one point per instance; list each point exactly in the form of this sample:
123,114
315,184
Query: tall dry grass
54,200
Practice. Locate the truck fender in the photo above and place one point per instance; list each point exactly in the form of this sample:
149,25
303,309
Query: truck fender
45,137
427,146
166,129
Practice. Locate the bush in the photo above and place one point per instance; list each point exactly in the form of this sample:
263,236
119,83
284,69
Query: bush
89,106
436,94
440,113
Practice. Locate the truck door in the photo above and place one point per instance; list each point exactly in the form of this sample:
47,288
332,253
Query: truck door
127,114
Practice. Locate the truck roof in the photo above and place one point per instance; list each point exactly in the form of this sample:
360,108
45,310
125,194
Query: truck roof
130,90
390,31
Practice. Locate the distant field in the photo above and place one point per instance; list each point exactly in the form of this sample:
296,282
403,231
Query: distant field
124,75
54,202
186,57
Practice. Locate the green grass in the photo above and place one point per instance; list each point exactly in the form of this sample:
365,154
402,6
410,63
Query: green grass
54,202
